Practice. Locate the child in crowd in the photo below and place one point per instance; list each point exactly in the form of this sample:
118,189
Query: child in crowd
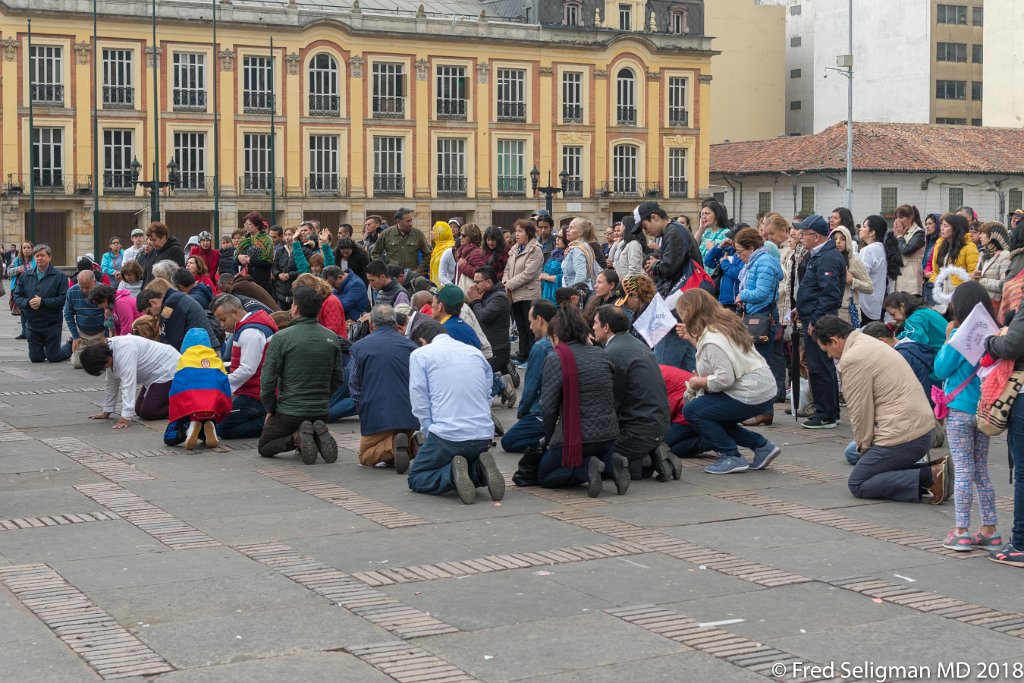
200,393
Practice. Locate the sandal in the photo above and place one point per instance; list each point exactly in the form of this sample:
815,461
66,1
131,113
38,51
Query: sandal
1008,555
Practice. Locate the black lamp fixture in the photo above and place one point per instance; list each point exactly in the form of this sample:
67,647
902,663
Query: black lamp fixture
548,191
155,185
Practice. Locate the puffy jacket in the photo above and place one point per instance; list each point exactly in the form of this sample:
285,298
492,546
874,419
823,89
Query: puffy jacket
52,288
522,272
731,265
921,359
352,294
179,314
760,283
925,326
822,285
283,263
492,312
171,251
966,259
473,256
993,273
596,395
125,311
301,370
379,366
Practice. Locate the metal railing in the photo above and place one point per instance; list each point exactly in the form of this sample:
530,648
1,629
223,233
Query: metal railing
189,100
572,113
324,105
49,182
509,186
195,182
388,107
47,94
511,111
628,187
573,187
451,184
325,185
118,96
677,116
678,188
257,102
625,116
388,184
118,181
260,183
451,109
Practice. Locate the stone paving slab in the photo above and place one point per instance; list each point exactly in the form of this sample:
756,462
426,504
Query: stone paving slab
327,666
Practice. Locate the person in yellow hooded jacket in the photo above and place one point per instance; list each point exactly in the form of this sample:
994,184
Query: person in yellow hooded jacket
954,248
443,243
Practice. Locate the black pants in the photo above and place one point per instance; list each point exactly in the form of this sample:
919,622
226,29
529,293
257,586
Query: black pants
824,382
521,316
277,436
44,344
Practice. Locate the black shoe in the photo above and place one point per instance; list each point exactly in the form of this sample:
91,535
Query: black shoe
526,472
594,484
666,464
21,336
325,443
620,473
511,371
305,444
817,423
401,453
495,482
463,483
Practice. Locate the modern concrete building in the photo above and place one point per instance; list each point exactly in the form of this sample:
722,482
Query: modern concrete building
1004,64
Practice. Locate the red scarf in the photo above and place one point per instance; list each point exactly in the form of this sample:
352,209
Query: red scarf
572,425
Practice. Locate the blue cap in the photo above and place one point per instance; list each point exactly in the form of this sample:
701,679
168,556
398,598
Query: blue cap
813,222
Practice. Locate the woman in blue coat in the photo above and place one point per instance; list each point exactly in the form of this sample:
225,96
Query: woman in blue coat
723,255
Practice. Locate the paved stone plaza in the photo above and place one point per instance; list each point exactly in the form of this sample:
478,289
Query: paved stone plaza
121,558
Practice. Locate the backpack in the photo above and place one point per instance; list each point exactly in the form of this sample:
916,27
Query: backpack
695,276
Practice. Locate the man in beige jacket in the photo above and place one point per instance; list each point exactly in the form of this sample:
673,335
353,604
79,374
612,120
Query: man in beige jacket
892,419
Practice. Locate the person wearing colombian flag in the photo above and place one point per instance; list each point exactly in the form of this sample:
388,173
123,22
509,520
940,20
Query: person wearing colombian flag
200,393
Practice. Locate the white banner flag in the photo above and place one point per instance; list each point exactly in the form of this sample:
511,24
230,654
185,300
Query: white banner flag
970,337
655,322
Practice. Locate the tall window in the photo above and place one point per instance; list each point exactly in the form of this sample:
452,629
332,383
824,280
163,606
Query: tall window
511,167
625,88
807,200
388,171
257,84
625,17
189,80
190,154
951,52
677,22
48,167
978,16
950,90
47,73
117,159
323,164
323,86
117,78
978,54
956,198
451,92
256,166
1016,200
677,184
764,202
976,90
951,14
677,113
388,90
572,14
624,169
889,200
511,95
451,166
572,97
572,162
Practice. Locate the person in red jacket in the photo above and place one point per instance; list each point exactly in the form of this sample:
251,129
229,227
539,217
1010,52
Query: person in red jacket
682,439
206,251
251,334
332,313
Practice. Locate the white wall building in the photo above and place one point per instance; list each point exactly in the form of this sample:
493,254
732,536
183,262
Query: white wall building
1004,64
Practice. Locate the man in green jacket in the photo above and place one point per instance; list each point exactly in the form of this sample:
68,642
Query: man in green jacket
402,244
301,369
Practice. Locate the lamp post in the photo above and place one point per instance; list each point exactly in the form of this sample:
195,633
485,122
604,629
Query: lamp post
155,185
549,191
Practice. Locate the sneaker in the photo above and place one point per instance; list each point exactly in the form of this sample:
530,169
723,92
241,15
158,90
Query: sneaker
962,543
620,473
764,455
192,435
666,463
980,540
594,484
210,434
727,464
817,423
21,336
463,483
401,453
325,443
495,482
511,374
1008,554
940,487
305,444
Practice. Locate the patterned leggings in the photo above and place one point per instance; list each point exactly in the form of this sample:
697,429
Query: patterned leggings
969,447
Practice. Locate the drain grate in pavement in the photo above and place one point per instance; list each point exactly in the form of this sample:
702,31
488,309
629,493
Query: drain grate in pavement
736,650
93,634
367,508
836,521
375,606
408,664
91,457
139,512
55,520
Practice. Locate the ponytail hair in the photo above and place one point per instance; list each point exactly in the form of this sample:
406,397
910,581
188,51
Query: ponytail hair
910,211
893,256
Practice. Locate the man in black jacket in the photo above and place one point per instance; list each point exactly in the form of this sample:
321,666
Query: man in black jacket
178,313
492,309
283,269
641,399
40,294
820,294
160,245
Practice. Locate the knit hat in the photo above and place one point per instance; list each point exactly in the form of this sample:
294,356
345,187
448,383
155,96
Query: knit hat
1000,235
205,235
451,296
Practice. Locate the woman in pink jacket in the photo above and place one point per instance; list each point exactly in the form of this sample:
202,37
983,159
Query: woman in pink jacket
118,307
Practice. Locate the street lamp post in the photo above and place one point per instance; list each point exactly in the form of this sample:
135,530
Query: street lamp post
155,185
548,191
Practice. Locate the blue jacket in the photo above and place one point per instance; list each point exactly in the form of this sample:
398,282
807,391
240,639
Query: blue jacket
378,376
459,330
921,359
352,295
529,401
760,290
952,367
181,313
202,294
80,315
730,272
52,287
822,285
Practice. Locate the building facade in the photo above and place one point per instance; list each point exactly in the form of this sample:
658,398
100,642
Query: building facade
351,112
1004,64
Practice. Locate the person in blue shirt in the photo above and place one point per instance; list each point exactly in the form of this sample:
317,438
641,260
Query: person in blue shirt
446,307
84,319
723,255
529,430
349,289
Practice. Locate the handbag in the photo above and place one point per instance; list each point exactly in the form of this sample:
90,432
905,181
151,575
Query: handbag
941,399
999,390
854,314
760,324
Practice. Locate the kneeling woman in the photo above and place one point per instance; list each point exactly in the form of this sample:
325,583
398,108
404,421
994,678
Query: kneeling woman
578,405
735,379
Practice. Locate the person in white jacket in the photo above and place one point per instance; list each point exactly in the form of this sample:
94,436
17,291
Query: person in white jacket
628,257
129,361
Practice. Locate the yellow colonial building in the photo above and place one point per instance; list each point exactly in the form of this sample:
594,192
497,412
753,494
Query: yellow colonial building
335,113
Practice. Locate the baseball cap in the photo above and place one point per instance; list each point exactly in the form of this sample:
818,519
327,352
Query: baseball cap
205,235
138,232
813,222
1017,212
450,296
642,211
541,212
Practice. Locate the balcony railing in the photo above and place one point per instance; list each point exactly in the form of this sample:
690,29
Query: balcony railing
257,102
451,184
388,107
625,116
48,94
574,187
260,183
324,105
189,100
195,182
386,183
49,182
627,187
677,116
451,109
509,186
118,181
678,188
324,185
511,111
572,113
118,96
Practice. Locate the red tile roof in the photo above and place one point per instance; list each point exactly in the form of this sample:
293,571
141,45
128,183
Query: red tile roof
909,147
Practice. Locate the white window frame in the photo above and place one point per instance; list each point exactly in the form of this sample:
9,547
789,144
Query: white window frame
189,87
572,97
451,165
118,152
452,95
625,167
511,166
190,155
626,109
324,164
48,166
46,68
256,175
389,164
572,163
625,17
118,91
572,13
511,94
323,81
257,83
956,193
388,90
678,109
678,181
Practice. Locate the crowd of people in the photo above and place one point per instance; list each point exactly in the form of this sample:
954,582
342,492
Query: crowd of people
420,334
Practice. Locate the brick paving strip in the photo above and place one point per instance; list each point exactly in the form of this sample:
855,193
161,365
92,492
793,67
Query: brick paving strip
836,521
111,650
367,508
366,602
135,510
571,497
409,664
9,433
99,462
55,520
736,650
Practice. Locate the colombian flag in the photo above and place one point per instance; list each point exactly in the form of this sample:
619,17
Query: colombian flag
200,384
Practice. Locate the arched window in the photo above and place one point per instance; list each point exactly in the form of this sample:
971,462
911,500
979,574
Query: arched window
624,169
323,86
625,85
679,21
573,13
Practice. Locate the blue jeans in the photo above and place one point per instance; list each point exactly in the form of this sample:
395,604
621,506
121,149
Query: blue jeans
677,352
891,472
552,475
431,469
851,453
684,441
342,404
717,416
44,344
523,434
1015,439
245,421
